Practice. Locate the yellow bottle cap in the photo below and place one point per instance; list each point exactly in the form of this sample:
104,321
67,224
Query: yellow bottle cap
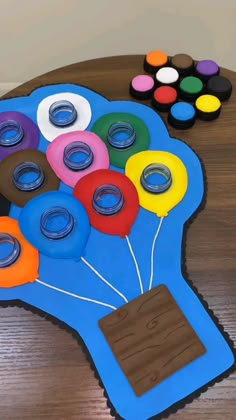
208,103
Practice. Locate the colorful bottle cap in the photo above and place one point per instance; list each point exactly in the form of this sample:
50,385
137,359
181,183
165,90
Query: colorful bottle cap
167,76
149,181
190,88
15,128
74,155
182,115
154,60
112,207
61,232
219,86
25,175
128,138
183,63
142,86
111,201
17,132
168,172
24,168
78,147
19,260
56,224
14,252
208,107
206,69
119,156
62,113
164,97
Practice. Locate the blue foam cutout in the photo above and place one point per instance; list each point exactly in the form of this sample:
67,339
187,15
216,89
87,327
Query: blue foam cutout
111,257
182,111
71,247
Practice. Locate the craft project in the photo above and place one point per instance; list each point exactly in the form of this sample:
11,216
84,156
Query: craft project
103,243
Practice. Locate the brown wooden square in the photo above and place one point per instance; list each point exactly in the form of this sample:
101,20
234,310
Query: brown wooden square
151,339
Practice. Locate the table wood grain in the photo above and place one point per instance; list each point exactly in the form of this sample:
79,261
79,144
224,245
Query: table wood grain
43,371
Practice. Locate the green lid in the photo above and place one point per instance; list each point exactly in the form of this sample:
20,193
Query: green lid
119,157
191,85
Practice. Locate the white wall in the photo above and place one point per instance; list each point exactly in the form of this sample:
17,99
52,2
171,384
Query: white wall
37,36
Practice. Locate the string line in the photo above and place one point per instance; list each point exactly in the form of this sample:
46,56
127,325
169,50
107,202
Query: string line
104,280
74,295
136,264
152,252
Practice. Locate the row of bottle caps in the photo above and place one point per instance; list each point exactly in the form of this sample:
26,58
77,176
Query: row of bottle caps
169,80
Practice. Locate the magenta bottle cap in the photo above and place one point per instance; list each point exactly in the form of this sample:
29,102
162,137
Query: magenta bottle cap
142,86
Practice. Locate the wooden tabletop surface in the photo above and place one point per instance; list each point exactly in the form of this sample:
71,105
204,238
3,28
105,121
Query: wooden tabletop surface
43,371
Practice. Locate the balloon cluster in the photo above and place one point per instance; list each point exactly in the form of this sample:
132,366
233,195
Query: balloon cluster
58,224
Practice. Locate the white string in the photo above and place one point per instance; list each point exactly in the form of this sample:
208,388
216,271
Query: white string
104,280
75,296
136,264
152,253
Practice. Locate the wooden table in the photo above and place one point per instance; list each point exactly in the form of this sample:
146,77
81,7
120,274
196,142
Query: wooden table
43,371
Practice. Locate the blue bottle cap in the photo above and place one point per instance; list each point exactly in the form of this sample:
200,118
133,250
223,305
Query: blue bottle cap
183,111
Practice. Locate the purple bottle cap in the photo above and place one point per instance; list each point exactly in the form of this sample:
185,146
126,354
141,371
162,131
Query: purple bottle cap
30,138
207,68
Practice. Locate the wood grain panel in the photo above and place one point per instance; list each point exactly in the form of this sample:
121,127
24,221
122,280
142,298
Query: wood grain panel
151,339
